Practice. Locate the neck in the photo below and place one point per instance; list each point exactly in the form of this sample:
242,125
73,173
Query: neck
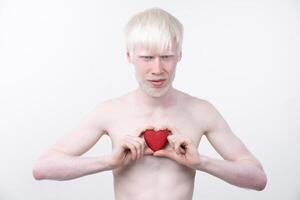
164,101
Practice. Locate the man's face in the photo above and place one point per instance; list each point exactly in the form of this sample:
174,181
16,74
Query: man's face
154,71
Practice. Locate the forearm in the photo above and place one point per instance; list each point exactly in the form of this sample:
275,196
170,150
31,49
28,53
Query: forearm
241,173
60,166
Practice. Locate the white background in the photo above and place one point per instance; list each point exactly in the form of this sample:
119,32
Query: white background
61,58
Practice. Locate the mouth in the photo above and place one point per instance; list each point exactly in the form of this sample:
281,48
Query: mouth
157,83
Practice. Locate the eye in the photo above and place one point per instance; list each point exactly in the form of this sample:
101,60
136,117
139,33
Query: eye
147,58
166,57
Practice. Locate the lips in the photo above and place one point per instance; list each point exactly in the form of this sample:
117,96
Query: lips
157,83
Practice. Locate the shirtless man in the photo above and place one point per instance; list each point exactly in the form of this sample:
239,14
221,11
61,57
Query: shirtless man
154,39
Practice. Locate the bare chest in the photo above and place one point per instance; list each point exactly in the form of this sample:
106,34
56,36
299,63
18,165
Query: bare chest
133,122
154,173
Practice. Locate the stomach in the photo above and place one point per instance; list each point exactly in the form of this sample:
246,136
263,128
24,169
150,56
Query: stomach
154,178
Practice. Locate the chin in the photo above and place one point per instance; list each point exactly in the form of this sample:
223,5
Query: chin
155,92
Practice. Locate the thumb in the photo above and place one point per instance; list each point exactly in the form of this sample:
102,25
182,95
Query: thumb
164,153
148,151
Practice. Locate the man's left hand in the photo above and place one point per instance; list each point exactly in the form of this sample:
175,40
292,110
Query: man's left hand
182,150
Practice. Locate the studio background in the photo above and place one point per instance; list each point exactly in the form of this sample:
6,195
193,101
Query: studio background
60,59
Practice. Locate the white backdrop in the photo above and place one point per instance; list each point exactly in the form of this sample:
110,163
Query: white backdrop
61,58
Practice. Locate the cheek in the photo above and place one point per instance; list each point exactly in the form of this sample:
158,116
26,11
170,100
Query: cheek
141,67
170,67
140,70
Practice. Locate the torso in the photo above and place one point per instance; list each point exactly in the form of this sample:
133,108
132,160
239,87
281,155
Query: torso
153,177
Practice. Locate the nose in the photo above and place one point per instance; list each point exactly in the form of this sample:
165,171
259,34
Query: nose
157,67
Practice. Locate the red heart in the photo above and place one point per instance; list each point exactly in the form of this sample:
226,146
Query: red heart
156,140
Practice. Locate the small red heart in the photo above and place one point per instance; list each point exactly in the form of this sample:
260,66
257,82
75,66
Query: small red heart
156,140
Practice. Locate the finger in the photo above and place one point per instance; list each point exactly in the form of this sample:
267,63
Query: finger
144,147
141,131
137,147
178,143
182,149
189,145
139,144
181,146
172,129
126,152
177,147
132,149
137,139
164,153
166,127
148,151
171,140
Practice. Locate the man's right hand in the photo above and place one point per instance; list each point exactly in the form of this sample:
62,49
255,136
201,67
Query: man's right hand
130,149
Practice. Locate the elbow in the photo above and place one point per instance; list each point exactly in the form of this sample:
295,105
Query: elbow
48,167
37,172
261,183
40,168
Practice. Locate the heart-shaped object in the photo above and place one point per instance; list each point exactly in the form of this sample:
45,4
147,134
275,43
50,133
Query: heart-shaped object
156,140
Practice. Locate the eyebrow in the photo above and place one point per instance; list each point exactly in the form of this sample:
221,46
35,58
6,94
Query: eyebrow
142,56
167,54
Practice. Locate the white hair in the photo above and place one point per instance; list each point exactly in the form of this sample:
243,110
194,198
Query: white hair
154,29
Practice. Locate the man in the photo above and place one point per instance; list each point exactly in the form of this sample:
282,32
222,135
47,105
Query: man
154,40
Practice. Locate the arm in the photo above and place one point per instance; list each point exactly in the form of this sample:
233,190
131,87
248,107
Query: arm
63,161
239,166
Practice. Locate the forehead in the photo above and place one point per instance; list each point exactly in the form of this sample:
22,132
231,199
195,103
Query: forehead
140,49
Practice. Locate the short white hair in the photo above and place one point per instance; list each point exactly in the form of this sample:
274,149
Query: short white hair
154,29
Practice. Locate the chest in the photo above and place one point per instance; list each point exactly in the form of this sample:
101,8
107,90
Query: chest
133,123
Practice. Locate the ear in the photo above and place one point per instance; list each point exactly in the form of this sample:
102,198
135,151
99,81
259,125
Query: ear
179,56
128,55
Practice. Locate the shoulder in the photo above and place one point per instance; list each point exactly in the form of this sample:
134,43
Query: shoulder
196,104
201,109
109,107
209,115
204,106
103,109
101,115
206,109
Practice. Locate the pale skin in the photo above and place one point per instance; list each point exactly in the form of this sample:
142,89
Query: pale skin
133,164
